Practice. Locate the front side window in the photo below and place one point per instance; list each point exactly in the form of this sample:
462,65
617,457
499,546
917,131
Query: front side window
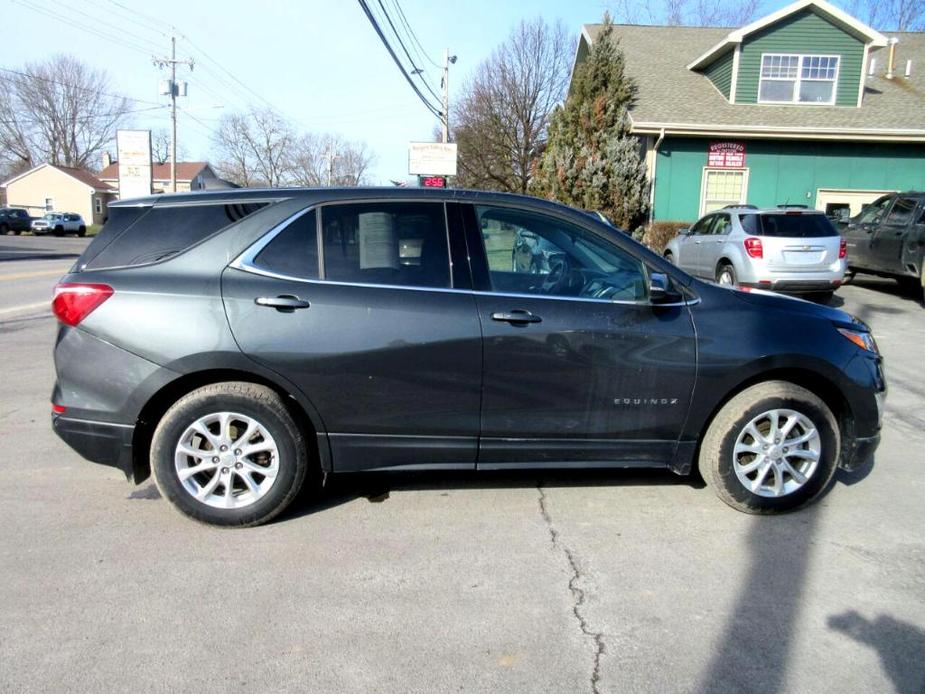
401,244
902,212
530,253
874,212
722,187
801,79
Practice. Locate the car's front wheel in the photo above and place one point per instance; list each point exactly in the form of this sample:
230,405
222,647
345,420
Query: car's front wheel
229,454
774,447
82,231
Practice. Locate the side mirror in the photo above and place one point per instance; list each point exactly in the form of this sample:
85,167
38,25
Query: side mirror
684,231
661,291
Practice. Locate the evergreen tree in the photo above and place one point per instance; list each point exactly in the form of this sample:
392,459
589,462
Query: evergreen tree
591,161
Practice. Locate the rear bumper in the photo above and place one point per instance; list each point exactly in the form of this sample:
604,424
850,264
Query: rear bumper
99,442
796,286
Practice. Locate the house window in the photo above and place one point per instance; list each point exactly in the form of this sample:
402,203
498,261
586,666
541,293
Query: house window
798,79
98,205
722,187
49,204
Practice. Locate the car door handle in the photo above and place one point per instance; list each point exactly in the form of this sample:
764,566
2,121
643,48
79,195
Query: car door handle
285,302
516,316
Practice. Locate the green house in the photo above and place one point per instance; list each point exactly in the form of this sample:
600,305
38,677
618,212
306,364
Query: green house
804,106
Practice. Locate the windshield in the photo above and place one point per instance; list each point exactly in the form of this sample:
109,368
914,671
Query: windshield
788,225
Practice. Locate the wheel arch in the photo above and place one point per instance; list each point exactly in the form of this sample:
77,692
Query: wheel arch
819,384
161,400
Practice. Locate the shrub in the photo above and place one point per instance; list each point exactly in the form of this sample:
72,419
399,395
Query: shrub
657,234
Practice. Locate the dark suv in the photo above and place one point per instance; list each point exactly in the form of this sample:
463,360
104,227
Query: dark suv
233,343
14,219
888,238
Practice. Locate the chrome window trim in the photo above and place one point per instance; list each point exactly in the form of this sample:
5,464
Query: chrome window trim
245,263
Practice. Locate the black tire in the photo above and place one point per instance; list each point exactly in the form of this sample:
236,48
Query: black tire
4,229
82,231
251,400
717,448
726,267
58,231
669,256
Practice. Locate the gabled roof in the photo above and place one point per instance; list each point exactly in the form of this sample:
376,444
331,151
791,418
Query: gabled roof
186,171
838,17
682,101
81,175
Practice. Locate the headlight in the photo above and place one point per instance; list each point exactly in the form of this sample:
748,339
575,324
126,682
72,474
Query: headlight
864,340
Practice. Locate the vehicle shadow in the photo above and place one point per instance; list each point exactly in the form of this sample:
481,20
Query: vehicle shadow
376,487
889,287
753,653
900,645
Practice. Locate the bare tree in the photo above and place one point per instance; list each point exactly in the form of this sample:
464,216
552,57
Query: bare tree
260,148
160,147
254,147
60,112
501,119
889,15
712,13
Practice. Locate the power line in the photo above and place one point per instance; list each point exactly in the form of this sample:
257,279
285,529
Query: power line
415,70
414,37
70,85
84,119
372,20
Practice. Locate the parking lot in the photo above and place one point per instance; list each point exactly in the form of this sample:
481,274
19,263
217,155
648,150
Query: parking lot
532,582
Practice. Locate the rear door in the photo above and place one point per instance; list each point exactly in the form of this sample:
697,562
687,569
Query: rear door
712,245
693,245
887,244
356,304
579,367
797,241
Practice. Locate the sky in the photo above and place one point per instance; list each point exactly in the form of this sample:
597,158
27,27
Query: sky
319,63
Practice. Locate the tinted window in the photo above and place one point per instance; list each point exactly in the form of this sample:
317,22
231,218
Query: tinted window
794,225
873,213
902,211
702,226
722,225
402,244
294,250
530,253
164,231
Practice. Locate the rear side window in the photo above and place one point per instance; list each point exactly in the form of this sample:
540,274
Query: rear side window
788,225
402,244
293,252
160,232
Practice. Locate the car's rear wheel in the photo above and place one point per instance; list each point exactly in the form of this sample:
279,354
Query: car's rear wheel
772,448
229,454
726,275
669,256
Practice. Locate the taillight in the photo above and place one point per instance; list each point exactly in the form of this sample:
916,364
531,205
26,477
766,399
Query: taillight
73,302
58,409
753,247
842,248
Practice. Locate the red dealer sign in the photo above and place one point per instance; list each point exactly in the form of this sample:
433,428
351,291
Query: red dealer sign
726,155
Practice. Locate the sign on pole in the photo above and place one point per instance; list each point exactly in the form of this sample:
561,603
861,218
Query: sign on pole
134,155
432,159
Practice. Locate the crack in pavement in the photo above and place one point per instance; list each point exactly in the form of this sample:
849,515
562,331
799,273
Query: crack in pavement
577,593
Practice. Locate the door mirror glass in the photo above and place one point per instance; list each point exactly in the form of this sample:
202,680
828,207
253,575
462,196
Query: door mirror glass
684,231
660,289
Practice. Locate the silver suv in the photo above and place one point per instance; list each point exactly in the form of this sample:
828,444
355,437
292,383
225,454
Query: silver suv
787,248
60,223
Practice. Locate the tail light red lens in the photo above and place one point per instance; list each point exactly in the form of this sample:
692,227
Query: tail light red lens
753,247
75,301
58,409
842,248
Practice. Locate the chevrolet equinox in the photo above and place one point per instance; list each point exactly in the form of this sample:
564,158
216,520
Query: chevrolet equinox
235,343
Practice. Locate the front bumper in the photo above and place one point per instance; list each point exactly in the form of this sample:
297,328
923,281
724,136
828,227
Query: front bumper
857,451
99,442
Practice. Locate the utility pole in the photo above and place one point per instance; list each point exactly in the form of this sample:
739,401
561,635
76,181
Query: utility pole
174,93
331,156
445,83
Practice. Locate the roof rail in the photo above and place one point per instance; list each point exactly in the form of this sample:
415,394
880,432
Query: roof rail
789,205
741,206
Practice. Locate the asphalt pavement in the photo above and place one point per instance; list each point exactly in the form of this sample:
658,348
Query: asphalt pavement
572,582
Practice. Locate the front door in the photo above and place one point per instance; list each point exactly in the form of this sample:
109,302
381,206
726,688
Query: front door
356,305
887,246
578,365
860,236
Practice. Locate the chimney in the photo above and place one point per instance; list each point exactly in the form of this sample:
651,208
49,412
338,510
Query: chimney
892,59
107,160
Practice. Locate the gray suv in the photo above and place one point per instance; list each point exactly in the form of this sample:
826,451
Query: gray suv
789,249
